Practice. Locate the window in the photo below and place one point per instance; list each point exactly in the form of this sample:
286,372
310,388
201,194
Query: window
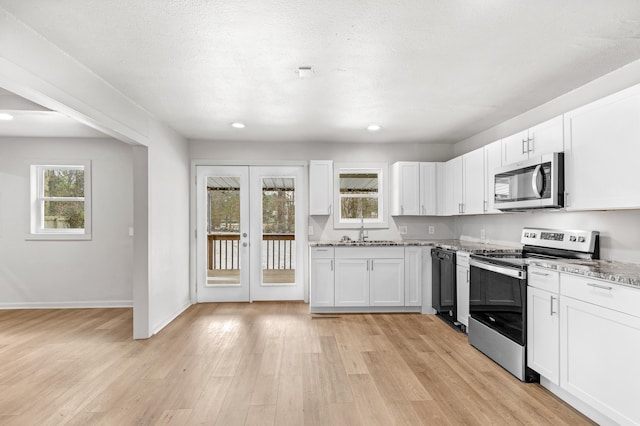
61,201
360,195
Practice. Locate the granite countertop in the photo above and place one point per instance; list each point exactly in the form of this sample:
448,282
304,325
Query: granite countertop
619,272
455,245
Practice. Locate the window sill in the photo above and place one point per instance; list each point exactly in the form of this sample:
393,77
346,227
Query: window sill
58,237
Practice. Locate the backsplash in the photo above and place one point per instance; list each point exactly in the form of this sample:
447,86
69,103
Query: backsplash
619,230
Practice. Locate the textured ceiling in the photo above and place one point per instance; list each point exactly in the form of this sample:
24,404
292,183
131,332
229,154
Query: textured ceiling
425,70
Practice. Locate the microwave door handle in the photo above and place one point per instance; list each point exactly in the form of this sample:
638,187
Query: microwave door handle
534,181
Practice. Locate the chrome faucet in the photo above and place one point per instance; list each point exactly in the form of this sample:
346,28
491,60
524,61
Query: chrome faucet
361,235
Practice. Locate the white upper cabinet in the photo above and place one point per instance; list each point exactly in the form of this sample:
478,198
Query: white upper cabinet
473,178
414,189
541,139
320,187
455,186
603,148
492,160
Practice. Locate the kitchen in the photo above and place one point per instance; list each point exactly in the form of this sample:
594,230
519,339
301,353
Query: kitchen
160,270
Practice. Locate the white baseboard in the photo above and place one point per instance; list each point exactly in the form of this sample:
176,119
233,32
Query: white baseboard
157,328
69,304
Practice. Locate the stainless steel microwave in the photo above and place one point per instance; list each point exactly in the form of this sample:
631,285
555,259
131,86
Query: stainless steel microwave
536,183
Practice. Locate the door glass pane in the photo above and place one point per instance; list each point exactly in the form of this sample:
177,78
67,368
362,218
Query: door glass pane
278,231
223,230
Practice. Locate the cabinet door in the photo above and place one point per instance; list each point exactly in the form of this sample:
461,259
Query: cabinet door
602,153
320,187
473,174
321,282
386,282
462,294
428,189
405,178
543,334
454,186
442,197
546,137
599,353
515,148
352,282
413,276
492,160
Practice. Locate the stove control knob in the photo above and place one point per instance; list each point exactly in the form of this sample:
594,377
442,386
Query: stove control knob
533,235
581,239
572,238
526,235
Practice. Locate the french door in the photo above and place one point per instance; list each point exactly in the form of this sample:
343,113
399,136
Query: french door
251,222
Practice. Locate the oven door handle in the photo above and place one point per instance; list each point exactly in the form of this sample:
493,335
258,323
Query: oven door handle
515,273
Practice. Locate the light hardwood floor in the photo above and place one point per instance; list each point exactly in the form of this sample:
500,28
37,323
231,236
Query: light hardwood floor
260,363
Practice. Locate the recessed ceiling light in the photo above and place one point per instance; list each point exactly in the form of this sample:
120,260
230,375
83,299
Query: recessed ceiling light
5,116
373,128
237,125
305,72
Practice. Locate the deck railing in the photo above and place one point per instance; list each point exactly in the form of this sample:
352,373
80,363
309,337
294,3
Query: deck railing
278,251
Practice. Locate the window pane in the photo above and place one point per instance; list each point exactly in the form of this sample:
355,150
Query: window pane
63,214
358,183
223,239
359,207
278,230
63,183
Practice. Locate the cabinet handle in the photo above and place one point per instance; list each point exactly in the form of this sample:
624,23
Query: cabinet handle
332,264
485,205
329,209
551,306
530,144
524,141
600,286
566,199
468,276
372,264
401,209
367,264
542,274
423,209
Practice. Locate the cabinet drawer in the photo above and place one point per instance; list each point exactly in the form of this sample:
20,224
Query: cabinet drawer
602,293
321,252
369,252
544,279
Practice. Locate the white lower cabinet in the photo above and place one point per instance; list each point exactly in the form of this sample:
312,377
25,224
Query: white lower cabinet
352,282
584,339
600,346
321,274
413,260
462,288
366,277
543,324
386,282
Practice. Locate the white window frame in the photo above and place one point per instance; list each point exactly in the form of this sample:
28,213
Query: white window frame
382,221
37,229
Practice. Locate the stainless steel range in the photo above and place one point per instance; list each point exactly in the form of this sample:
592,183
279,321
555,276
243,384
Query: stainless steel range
498,293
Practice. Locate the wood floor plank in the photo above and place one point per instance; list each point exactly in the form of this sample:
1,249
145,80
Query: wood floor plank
259,363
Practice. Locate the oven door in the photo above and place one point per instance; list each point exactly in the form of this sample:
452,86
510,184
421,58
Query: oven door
497,298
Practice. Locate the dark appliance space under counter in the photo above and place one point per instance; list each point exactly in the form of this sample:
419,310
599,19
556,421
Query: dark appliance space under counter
443,289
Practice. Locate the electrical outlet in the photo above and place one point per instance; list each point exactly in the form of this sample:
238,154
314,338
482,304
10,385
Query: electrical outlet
432,229
403,229
483,234
310,230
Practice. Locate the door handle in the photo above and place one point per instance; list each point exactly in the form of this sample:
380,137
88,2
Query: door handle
537,181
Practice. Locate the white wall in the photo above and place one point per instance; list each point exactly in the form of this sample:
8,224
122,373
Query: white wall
67,273
252,152
168,230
